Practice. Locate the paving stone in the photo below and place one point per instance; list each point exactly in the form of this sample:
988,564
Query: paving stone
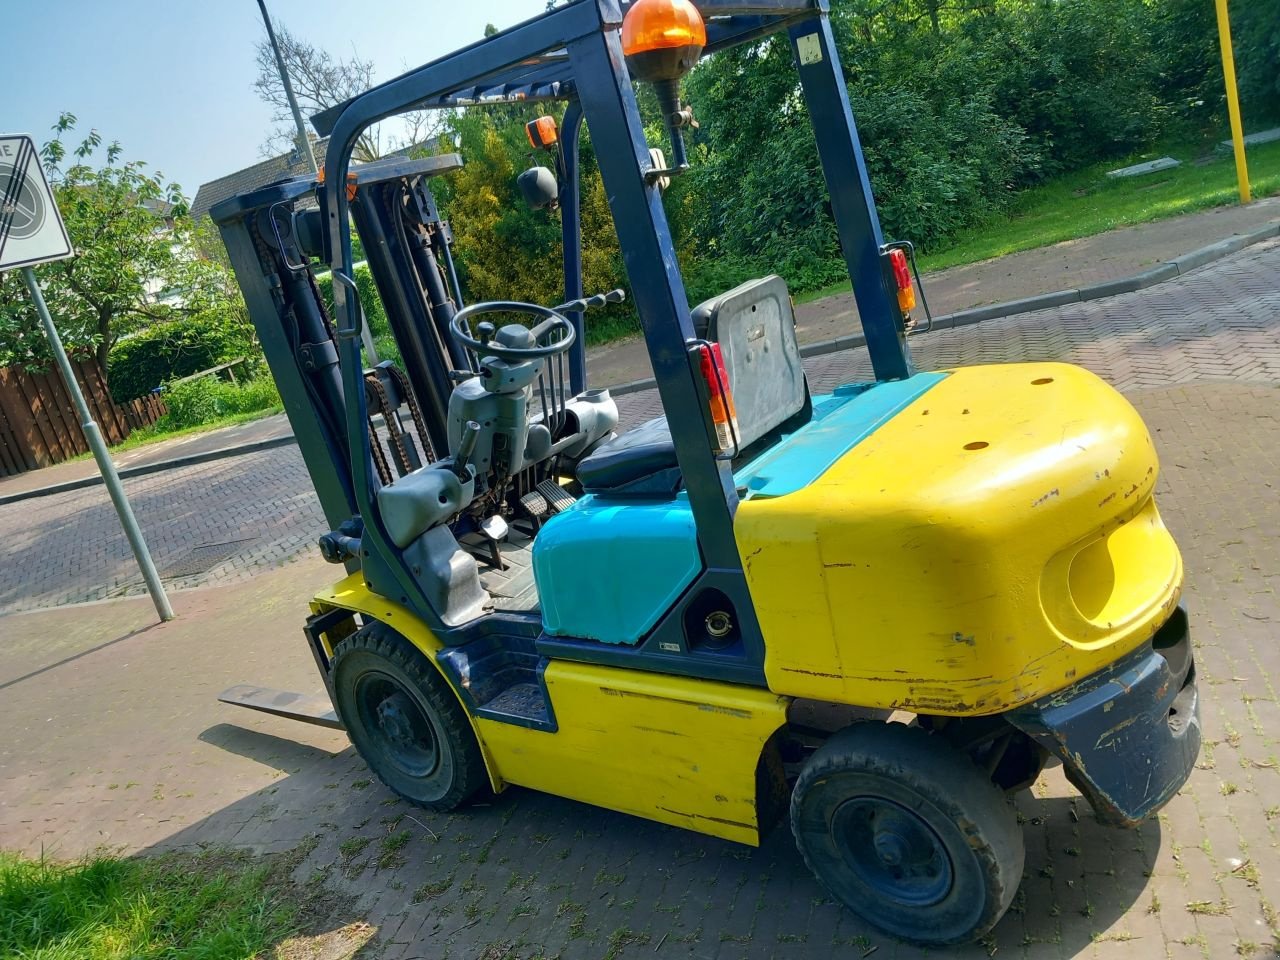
135,753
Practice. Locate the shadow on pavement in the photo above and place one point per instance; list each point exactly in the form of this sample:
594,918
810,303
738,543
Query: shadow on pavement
265,748
30,674
535,875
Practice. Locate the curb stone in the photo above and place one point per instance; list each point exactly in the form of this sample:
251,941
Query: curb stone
146,468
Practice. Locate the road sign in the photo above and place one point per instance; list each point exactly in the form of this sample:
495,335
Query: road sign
31,229
31,232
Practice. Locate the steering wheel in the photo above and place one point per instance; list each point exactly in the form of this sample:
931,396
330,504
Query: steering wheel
538,345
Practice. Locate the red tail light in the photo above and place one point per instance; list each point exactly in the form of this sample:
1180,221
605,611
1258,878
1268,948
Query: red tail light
720,403
902,276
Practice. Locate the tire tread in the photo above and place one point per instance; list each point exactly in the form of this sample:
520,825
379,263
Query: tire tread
382,641
930,766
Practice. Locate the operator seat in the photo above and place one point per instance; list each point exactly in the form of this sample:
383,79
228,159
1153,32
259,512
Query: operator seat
755,325
644,453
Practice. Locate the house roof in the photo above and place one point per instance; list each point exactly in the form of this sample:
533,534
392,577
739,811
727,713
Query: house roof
287,165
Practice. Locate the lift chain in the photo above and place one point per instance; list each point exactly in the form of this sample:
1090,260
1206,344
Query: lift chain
395,436
419,425
379,458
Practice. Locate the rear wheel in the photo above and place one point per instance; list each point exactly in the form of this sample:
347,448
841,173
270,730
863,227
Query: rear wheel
404,720
908,833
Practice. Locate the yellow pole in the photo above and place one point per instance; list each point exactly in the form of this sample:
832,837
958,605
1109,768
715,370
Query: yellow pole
1233,99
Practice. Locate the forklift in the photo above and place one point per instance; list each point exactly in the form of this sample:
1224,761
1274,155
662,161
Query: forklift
876,612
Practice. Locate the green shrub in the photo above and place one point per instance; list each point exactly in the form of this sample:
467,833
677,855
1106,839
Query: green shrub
176,349
209,399
375,314
755,201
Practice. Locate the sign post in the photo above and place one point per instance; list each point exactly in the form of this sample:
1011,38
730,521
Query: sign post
32,232
1233,99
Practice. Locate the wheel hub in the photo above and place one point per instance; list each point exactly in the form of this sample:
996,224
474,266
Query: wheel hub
402,732
393,718
891,848
893,851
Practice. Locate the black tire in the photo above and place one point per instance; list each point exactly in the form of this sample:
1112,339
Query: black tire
908,833
404,719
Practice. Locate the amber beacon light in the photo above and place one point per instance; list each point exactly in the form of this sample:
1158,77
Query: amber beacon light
663,40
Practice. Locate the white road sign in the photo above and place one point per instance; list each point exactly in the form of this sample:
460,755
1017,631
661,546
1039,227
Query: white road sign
31,229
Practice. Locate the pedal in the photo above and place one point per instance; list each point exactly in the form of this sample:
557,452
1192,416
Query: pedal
556,496
534,504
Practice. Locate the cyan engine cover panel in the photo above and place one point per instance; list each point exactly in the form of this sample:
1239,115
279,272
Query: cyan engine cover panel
607,570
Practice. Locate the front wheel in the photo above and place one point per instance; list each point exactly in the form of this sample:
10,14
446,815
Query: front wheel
908,833
405,720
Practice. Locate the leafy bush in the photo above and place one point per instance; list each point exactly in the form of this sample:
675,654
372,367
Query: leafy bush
167,351
208,399
374,313
959,106
937,165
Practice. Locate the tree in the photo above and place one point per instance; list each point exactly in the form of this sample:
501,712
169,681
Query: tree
320,81
123,225
134,243
504,249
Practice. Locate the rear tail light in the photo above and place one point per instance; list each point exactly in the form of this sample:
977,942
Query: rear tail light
719,397
902,276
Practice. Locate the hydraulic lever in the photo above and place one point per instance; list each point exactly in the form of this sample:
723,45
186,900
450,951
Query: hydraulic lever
466,447
599,300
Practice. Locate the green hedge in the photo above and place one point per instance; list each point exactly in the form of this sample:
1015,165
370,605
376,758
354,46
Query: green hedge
170,351
373,310
208,399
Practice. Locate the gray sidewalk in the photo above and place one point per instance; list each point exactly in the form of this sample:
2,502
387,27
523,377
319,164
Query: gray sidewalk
1100,259
115,738
164,454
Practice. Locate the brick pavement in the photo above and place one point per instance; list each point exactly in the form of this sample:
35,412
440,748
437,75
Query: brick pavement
113,735
240,514
1113,255
1219,323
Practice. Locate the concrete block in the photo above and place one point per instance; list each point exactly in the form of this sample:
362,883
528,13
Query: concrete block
1151,166
1149,278
1253,139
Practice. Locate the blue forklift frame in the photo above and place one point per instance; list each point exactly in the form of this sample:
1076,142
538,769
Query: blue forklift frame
575,53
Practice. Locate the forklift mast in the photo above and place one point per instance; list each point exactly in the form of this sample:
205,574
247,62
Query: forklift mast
574,53
272,236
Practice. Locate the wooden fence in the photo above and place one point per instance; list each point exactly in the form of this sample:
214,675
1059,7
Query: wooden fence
39,425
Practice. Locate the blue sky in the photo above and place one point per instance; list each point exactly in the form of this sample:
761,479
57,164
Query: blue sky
172,79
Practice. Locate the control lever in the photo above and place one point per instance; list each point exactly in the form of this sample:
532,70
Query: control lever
599,300
466,447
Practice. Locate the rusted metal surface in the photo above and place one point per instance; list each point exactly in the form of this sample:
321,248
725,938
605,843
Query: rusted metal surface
1128,737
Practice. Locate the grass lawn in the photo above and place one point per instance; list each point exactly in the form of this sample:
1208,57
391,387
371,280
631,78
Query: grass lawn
1086,202
211,906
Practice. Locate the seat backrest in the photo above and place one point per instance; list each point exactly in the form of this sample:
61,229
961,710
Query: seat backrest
755,325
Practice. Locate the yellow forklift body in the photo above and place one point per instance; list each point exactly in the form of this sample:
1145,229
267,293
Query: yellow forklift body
956,563
678,750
